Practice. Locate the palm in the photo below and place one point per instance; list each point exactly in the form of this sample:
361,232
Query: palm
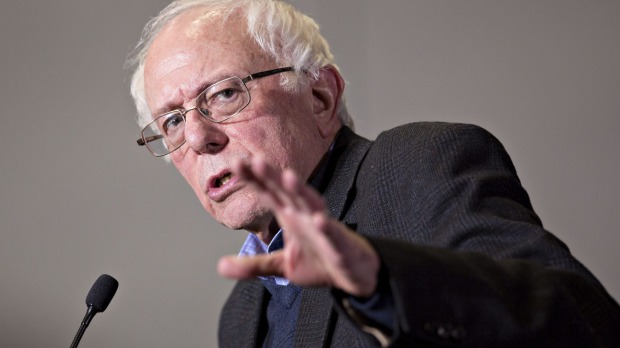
318,251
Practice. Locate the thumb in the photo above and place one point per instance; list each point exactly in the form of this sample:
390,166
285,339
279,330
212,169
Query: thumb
249,267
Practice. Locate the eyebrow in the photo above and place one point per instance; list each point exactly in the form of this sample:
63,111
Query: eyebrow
170,106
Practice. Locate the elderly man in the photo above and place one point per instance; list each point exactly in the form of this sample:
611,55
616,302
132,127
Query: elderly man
423,237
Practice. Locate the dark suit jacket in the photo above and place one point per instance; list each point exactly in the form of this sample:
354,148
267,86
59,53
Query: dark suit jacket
468,261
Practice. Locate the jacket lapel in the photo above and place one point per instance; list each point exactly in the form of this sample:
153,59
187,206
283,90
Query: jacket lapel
316,314
315,318
241,318
348,153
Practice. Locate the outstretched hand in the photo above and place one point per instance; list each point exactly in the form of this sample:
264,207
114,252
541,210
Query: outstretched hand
318,250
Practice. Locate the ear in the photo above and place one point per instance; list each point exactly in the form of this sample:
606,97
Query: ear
326,93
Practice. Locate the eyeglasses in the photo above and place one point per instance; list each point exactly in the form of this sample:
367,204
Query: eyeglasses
218,103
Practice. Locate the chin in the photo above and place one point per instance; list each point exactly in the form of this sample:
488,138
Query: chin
253,219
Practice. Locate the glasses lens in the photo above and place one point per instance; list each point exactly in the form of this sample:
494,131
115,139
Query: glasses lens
165,134
224,99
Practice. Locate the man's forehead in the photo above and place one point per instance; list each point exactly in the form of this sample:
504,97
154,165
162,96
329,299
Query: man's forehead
169,64
180,42
204,30
201,23
199,35
193,51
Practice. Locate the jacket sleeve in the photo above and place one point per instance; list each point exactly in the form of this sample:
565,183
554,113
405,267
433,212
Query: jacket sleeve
469,262
471,300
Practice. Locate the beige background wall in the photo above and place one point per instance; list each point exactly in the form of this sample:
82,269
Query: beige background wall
78,198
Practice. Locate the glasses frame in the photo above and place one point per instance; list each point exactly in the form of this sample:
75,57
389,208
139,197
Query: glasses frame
143,141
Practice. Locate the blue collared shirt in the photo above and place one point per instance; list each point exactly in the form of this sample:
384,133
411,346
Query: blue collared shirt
254,246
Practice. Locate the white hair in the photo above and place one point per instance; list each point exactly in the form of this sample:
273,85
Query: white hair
288,36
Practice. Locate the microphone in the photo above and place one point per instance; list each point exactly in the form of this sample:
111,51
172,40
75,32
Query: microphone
97,300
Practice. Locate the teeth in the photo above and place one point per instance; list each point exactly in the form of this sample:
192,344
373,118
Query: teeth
223,180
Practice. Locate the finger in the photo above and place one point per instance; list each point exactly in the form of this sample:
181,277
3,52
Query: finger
244,171
351,260
335,233
288,188
285,189
303,194
255,176
249,267
271,179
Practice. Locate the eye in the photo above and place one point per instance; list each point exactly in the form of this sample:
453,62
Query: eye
172,124
223,92
223,99
205,112
224,95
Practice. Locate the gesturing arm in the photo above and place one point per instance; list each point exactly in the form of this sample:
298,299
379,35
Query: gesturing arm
318,250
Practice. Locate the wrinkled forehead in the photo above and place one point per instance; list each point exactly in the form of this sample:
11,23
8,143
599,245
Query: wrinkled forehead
200,27
203,42
210,30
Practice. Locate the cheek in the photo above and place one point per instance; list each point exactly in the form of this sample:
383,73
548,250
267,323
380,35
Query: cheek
188,168
278,145
263,134
286,136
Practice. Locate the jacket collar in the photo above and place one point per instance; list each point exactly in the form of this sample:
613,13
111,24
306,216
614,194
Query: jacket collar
316,318
348,153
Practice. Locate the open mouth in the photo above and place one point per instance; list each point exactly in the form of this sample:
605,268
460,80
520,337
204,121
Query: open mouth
221,181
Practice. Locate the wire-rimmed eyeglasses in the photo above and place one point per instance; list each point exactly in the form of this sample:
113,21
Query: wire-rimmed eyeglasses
218,103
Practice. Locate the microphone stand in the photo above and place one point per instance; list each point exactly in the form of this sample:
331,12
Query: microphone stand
90,314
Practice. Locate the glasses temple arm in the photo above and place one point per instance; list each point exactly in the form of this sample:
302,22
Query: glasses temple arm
143,141
258,75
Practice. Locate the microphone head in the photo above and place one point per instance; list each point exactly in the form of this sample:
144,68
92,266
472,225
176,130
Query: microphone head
101,293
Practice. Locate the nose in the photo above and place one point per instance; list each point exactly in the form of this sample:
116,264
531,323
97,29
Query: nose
202,135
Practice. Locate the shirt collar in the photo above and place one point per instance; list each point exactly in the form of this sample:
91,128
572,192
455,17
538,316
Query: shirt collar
254,246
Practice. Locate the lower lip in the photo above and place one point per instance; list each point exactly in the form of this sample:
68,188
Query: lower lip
219,194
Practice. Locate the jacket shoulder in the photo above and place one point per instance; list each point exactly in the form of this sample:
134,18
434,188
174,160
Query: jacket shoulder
423,132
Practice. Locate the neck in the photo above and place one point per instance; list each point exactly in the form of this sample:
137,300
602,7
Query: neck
267,234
